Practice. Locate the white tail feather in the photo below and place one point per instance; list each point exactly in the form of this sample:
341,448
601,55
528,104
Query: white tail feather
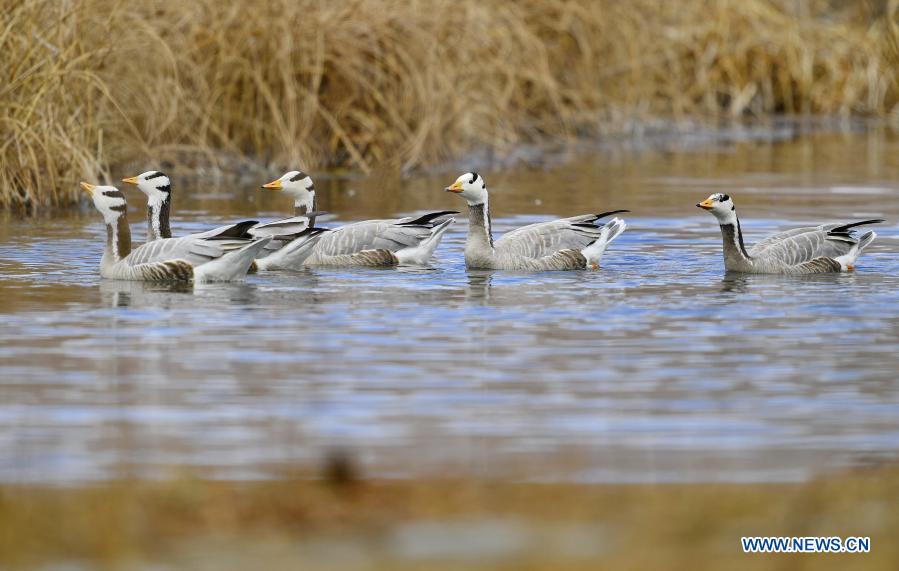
231,266
611,230
292,255
866,240
421,254
847,260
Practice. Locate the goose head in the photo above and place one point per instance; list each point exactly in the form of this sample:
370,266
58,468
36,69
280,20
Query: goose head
298,185
108,200
721,206
155,184
471,187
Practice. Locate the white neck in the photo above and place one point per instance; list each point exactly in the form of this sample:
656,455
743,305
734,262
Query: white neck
728,217
304,204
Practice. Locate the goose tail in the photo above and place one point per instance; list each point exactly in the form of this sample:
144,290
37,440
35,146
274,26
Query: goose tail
866,240
292,255
421,254
232,266
610,230
847,260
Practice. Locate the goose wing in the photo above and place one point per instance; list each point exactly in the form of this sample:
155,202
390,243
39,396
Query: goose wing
546,238
304,236
192,249
428,219
236,230
372,235
284,226
802,245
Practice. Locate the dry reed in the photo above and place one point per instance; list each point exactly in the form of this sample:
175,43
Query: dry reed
403,83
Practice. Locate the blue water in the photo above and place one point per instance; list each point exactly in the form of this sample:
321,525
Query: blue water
657,368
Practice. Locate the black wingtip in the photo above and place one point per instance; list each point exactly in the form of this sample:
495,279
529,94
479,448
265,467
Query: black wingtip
238,230
609,213
429,217
847,227
307,232
310,231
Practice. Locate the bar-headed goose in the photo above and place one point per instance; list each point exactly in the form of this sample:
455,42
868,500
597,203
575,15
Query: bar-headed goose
809,250
201,258
410,240
292,239
574,243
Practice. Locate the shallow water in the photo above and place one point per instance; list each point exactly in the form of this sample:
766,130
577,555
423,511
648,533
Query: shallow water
657,368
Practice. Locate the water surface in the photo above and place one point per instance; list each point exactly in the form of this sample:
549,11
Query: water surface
657,368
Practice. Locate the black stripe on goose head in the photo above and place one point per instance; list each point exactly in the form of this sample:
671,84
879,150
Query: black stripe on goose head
298,177
156,174
114,194
167,188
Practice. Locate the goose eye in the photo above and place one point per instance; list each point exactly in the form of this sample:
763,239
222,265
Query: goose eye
724,198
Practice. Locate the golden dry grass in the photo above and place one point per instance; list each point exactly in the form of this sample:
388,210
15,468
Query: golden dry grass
304,524
402,83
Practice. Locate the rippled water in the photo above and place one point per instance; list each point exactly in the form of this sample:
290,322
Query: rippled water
659,367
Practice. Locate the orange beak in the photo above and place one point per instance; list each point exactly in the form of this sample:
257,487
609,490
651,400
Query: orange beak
705,204
273,185
456,187
130,180
88,188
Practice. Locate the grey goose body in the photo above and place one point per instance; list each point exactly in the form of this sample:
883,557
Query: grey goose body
213,256
574,243
370,243
825,248
291,239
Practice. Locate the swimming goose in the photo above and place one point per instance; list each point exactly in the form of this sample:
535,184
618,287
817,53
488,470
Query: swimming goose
292,239
574,243
809,250
410,240
208,257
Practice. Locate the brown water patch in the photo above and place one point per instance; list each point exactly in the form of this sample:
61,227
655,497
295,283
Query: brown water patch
296,523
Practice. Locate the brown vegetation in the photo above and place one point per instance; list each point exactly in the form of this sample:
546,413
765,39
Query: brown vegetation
403,83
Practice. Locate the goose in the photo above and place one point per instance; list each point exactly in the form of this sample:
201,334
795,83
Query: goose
410,240
574,243
212,256
292,238
809,250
